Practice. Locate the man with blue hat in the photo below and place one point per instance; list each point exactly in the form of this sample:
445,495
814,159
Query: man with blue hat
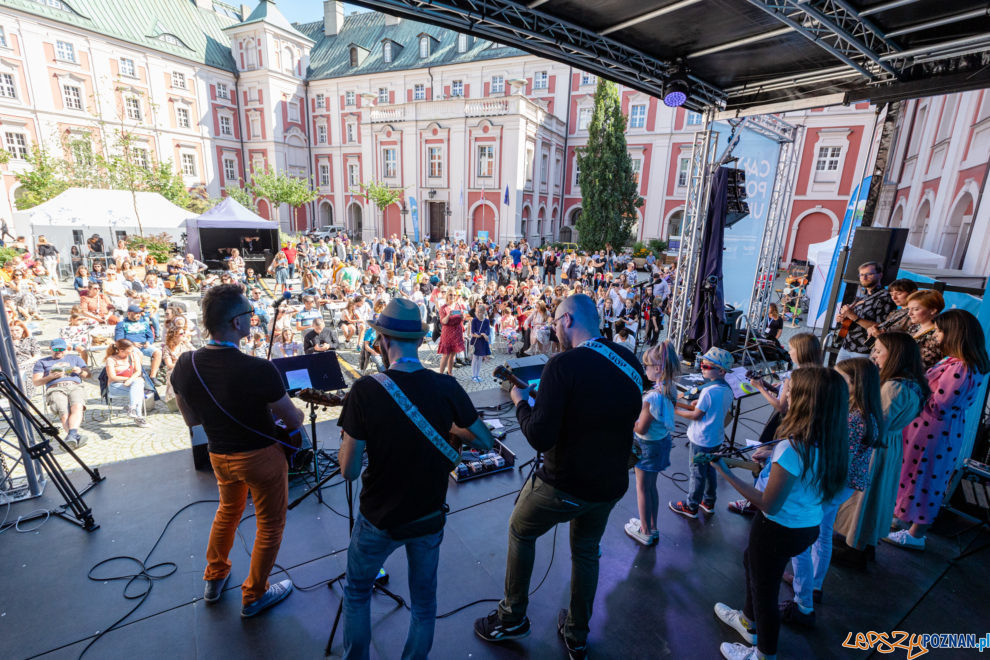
137,328
62,375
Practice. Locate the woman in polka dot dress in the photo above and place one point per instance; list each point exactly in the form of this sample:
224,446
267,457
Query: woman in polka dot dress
933,440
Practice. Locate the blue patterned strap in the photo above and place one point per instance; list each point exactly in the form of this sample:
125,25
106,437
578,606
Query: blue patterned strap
614,358
412,412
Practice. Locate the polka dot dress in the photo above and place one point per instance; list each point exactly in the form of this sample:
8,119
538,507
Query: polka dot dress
932,441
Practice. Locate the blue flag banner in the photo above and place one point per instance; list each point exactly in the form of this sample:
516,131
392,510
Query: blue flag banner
414,212
506,200
852,219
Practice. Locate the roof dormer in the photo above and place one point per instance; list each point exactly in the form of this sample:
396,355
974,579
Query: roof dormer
357,54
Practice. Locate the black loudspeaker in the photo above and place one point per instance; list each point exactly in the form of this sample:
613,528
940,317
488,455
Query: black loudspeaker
736,206
884,245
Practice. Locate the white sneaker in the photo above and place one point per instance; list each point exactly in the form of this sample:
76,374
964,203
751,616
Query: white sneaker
903,539
633,530
736,651
732,618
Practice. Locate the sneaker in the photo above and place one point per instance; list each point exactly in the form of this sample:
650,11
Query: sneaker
736,651
742,507
276,594
733,619
74,440
903,539
141,421
683,509
214,589
633,530
491,629
791,613
708,507
574,651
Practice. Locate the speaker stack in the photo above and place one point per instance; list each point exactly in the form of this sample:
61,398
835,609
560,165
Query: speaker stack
884,245
736,206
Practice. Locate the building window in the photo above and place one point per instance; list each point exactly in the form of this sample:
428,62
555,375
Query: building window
683,170
7,87
77,237
436,162
65,51
222,91
544,168
350,132
226,125
462,43
140,157
419,92
584,118
82,152
382,96
182,117
178,80
828,159
324,175
127,67
288,60
188,164
529,167
72,97
637,167
350,98
255,125
457,88
321,101
498,84
3,38
354,56
693,118
132,106
389,164
486,160
353,175
637,116
16,144
229,169
321,134
587,79
424,47
540,80
577,172
293,110
387,52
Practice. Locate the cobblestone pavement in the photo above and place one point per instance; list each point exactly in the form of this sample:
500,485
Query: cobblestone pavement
118,438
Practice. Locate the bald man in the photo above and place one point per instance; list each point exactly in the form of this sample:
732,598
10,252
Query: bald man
589,398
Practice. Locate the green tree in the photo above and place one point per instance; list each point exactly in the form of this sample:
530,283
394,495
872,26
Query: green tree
43,181
608,189
381,195
241,195
165,181
280,188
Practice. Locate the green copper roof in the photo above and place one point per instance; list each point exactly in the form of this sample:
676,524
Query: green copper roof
267,12
177,27
330,58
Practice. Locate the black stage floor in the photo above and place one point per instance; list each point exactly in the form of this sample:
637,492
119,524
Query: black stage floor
652,602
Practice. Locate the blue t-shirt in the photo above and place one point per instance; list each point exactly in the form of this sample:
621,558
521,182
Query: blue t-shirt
369,336
716,402
139,331
516,256
46,365
803,506
306,317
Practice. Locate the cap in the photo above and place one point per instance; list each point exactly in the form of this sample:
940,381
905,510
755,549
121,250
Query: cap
134,308
58,343
719,357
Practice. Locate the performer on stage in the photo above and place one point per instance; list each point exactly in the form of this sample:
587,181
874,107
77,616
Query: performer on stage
872,305
236,397
589,399
405,484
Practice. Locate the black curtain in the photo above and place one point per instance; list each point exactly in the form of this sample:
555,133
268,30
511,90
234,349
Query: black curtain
708,310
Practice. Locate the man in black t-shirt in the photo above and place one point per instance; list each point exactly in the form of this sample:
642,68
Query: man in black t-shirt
320,339
587,403
236,398
405,483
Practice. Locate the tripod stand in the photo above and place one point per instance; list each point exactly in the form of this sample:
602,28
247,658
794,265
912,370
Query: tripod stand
74,510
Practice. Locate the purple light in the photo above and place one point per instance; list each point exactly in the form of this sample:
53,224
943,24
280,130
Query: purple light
674,99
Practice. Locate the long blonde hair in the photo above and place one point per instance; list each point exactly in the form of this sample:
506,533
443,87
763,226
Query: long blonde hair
664,356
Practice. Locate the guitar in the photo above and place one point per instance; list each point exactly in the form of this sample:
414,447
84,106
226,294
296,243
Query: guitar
292,444
503,373
316,397
730,462
846,324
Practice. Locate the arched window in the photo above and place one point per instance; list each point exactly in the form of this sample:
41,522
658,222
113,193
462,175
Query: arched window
354,56
674,224
387,52
424,46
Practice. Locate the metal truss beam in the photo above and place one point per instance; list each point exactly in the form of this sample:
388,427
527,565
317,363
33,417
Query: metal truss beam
529,29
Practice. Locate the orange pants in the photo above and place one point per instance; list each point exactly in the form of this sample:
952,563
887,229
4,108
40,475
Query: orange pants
265,473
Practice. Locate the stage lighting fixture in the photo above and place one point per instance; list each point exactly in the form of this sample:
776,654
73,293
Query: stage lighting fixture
676,90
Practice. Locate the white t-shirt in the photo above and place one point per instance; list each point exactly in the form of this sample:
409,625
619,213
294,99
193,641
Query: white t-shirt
716,402
803,506
662,410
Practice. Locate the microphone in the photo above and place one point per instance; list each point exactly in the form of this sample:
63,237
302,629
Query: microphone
286,295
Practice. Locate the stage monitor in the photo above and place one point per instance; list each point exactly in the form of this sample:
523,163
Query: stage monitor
527,369
319,371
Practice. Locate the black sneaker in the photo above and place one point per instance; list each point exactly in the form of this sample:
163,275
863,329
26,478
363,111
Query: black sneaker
791,614
491,629
574,652
214,589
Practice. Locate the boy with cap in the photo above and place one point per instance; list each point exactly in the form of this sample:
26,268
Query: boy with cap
138,329
708,415
62,375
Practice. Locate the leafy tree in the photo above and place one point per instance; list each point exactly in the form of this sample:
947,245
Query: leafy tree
43,181
608,189
241,195
280,188
381,195
165,181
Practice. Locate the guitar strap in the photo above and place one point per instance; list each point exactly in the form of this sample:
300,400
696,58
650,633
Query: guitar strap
614,358
416,417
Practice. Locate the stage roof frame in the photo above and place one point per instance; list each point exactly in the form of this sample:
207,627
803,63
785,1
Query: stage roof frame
741,56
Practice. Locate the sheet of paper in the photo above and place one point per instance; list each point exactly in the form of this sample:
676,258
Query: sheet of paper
751,443
298,379
494,423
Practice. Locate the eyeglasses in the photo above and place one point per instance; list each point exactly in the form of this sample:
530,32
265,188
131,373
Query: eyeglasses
250,311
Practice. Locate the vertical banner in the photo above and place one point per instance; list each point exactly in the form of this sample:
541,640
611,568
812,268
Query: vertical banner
414,212
853,218
758,157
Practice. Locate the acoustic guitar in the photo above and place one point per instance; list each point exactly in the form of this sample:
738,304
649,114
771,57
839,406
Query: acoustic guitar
503,373
292,444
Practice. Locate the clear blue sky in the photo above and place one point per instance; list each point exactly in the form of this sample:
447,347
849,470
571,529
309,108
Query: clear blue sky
300,11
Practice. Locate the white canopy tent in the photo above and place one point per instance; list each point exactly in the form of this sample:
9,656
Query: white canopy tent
107,213
820,256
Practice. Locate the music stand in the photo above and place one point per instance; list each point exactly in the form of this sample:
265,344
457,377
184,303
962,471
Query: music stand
318,371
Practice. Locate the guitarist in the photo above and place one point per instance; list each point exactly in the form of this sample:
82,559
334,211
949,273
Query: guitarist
235,397
872,305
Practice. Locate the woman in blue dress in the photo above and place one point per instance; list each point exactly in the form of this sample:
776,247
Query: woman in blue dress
480,332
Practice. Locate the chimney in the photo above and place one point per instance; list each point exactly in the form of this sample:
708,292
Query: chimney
245,12
391,19
333,17
205,4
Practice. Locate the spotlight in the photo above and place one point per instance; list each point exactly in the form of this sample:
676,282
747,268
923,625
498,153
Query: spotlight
677,88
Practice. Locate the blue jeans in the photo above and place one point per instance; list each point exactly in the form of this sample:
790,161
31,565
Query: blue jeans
701,481
134,392
811,565
369,549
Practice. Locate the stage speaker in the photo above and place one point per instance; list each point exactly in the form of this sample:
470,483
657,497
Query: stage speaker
736,207
200,450
527,369
884,245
